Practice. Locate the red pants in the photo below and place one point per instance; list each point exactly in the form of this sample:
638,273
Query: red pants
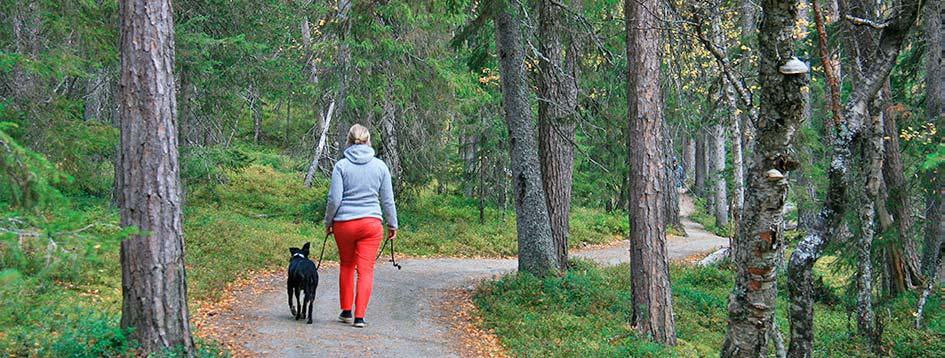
358,241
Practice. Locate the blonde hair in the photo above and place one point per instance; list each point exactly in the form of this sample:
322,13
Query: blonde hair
359,134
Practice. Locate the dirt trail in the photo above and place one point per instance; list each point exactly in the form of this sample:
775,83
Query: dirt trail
403,319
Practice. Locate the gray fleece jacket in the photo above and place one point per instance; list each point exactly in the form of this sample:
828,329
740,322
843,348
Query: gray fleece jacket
360,185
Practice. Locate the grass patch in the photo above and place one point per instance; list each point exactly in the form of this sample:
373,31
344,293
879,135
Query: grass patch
586,313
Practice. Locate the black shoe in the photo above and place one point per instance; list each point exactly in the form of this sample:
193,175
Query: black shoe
359,322
345,316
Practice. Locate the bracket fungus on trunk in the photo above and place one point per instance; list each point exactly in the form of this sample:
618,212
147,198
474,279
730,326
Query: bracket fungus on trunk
794,66
774,175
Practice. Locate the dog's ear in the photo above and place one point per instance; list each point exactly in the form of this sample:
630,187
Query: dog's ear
294,250
305,249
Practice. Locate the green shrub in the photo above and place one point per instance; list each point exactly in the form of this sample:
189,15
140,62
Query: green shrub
85,151
92,335
208,165
26,177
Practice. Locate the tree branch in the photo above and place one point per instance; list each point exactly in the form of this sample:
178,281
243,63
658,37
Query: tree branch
859,21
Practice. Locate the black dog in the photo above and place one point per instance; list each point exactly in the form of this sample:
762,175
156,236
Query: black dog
303,276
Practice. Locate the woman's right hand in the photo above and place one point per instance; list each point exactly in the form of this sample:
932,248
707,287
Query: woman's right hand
391,234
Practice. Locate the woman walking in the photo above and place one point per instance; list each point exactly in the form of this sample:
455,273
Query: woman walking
360,187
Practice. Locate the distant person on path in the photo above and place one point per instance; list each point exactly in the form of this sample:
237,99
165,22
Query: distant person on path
360,187
680,172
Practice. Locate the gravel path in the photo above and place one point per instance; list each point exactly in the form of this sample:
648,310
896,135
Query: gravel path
401,322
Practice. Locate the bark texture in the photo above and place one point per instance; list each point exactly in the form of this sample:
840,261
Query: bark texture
760,238
557,108
650,285
870,169
536,252
154,285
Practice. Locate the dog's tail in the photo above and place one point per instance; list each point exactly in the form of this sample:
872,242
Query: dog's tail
311,284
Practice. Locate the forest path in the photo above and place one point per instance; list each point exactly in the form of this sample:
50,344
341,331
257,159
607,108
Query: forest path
411,313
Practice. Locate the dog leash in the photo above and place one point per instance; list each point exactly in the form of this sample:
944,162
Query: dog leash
392,259
322,255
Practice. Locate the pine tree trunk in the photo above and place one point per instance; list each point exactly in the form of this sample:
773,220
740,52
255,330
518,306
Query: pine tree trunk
557,108
902,263
154,283
650,283
760,238
536,252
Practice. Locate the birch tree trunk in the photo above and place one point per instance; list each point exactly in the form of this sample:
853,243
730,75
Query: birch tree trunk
746,130
849,126
650,284
536,252
557,109
868,170
760,238
719,191
738,166
689,156
871,169
154,283
700,163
